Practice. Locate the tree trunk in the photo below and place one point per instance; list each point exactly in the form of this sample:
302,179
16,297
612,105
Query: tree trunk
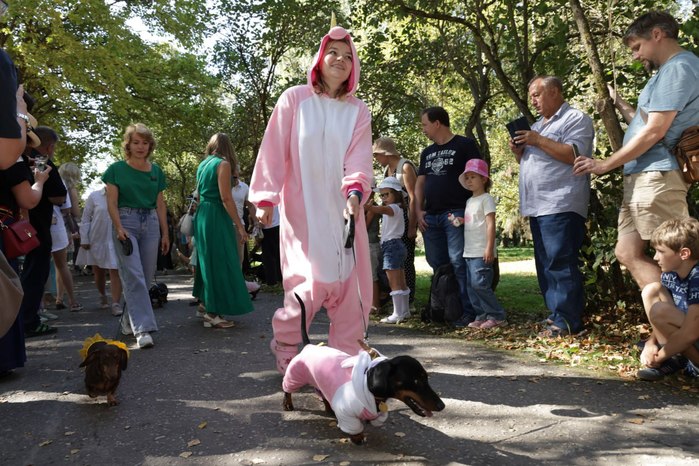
606,109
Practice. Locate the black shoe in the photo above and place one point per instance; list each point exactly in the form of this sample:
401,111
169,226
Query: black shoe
670,366
41,330
691,370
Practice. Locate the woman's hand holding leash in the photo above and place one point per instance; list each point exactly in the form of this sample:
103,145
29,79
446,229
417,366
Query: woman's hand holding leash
264,215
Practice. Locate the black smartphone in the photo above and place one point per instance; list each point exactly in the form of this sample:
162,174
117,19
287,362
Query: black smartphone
519,124
576,152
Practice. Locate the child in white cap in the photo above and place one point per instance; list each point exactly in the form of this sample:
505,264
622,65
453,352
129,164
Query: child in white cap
392,246
479,245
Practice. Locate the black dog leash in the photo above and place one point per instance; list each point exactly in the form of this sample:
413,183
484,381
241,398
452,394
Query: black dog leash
349,244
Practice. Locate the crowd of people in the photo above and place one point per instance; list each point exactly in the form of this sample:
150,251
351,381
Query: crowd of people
334,230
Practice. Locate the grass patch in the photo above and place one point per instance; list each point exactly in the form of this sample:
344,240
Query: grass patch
515,254
504,254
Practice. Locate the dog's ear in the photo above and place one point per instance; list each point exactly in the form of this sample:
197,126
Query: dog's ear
378,379
89,359
124,359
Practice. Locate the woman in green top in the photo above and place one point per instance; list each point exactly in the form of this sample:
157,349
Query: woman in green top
219,282
137,208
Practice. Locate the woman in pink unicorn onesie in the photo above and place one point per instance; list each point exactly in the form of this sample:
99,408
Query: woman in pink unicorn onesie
315,163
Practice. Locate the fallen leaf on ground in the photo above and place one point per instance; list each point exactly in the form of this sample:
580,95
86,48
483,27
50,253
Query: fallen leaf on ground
202,425
46,442
320,457
185,454
193,443
399,434
637,421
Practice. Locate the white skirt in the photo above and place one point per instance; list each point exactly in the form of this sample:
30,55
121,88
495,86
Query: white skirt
59,236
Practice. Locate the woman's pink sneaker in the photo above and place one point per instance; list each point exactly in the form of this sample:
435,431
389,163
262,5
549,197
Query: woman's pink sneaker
283,354
492,323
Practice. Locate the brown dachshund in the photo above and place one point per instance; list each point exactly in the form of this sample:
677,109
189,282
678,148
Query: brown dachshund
103,365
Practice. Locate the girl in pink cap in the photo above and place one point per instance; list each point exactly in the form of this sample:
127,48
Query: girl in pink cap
479,245
315,163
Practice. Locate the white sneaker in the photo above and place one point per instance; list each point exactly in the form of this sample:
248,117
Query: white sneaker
126,325
44,314
144,340
392,319
104,302
116,309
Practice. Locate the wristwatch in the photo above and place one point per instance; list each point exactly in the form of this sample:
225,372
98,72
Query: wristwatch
23,116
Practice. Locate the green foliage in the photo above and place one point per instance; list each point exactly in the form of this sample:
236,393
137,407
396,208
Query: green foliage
266,47
92,75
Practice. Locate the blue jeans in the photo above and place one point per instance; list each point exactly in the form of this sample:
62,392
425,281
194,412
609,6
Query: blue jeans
394,253
445,243
137,270
557,242
480,289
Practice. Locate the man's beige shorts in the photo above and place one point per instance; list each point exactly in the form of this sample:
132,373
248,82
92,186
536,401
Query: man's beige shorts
650,198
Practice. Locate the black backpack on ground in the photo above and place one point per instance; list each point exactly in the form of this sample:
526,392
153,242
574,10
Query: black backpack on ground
444,304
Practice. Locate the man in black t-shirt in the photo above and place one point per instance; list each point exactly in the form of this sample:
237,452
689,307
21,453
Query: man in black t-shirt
38,262
438,193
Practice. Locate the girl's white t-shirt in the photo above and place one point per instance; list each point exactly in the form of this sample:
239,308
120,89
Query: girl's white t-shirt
475,240
392,226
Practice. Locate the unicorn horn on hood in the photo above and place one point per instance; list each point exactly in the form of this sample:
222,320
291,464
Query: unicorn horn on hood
333,20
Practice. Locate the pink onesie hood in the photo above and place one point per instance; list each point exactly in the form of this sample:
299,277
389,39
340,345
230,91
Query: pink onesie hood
336,33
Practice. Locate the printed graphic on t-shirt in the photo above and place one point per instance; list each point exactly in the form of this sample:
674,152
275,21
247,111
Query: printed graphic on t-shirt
684,292
439,161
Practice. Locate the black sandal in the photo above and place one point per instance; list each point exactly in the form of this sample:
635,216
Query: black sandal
41,330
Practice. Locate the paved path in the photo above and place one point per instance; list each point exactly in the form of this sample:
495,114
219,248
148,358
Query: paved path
210,397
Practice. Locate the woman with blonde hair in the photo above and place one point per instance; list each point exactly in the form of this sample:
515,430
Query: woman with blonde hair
137,208
219,283
63,230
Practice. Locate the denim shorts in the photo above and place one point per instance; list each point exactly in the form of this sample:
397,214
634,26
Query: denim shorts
394,254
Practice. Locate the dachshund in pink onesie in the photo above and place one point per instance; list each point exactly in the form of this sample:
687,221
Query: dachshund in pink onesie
315,163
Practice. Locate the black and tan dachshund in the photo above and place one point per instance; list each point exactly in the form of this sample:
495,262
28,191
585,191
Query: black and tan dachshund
355,389
103,366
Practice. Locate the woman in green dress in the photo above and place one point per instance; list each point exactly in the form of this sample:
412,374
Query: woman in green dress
219,283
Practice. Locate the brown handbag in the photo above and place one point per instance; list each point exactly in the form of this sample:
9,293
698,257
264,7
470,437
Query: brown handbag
687,153
18,238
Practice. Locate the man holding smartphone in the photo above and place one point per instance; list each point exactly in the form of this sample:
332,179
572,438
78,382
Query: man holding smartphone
555,200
